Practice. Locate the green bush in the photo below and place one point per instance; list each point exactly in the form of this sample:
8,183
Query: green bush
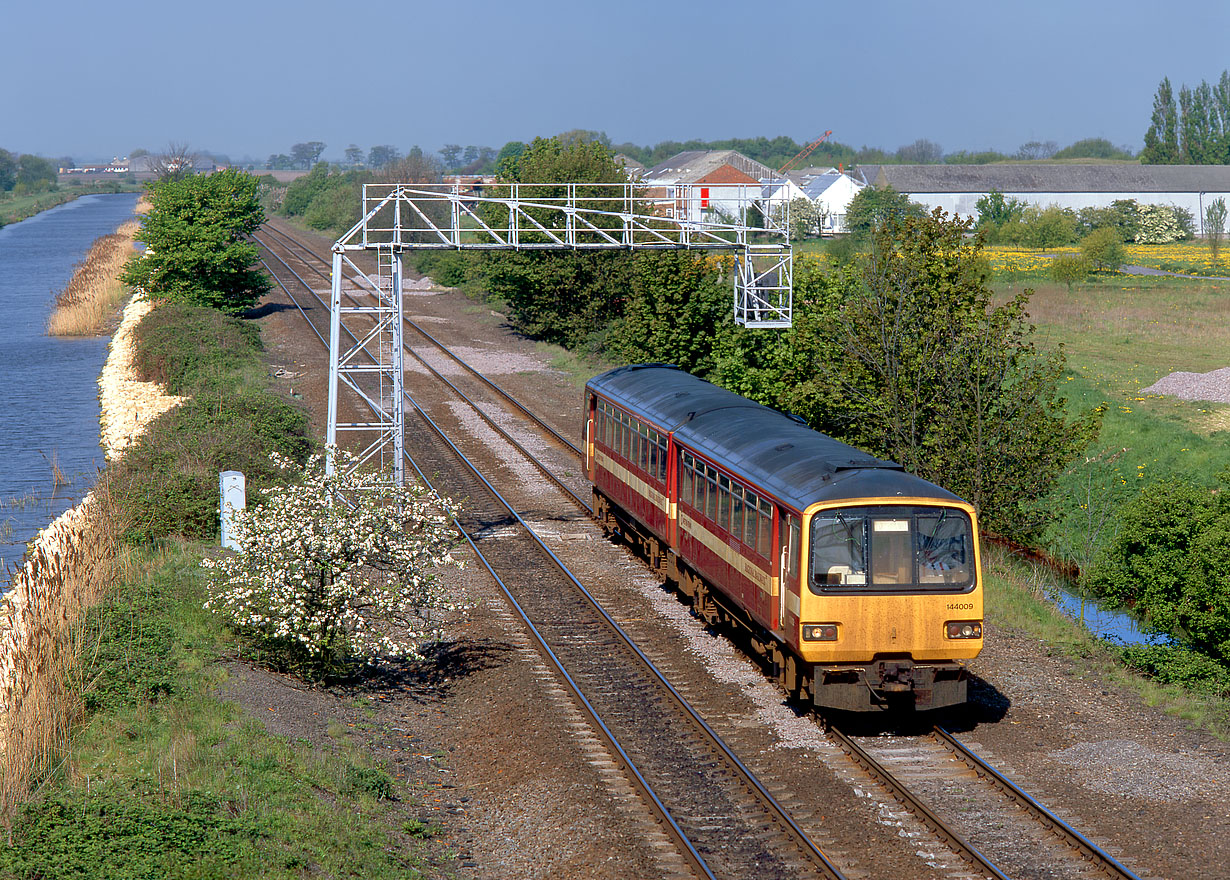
186,348
1104,248
1069,270
1170,664
303,190
1168,562
168,481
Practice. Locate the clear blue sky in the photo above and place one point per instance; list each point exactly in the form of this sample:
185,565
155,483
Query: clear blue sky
92,80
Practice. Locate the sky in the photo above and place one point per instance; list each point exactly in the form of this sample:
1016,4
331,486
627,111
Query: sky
248,79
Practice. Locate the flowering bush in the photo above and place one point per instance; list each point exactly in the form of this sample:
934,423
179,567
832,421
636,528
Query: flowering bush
1158,225
336,569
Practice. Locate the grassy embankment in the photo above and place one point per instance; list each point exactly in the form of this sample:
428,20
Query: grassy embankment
162,776
1121,334
14,208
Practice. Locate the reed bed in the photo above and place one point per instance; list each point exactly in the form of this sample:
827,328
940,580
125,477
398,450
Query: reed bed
90,304
68,569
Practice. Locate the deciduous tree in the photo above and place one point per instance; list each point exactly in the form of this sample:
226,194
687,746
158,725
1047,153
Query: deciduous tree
382,154
197,234
1103,248
1215,225
908,356
873,206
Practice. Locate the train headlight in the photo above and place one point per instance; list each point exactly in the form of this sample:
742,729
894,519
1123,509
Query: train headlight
819,632
963,629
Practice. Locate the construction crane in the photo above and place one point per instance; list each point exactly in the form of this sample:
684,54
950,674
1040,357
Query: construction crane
805,152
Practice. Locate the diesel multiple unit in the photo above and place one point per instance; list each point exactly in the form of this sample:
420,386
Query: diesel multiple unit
860,583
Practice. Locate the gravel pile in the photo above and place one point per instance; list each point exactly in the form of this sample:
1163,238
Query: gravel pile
1213,386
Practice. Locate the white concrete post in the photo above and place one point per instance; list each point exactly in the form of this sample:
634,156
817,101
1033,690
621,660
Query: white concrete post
232,490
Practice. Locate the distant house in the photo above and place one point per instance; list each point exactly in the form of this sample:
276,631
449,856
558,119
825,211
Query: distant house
827,188
634,168
706,184
957,188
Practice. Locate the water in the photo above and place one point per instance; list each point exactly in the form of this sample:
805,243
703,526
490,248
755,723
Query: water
1114,626
48,386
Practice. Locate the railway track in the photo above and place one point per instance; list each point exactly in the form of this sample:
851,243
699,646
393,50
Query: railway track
991,822
724,819
929,776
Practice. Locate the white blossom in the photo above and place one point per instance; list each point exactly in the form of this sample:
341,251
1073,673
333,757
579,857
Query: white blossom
338,566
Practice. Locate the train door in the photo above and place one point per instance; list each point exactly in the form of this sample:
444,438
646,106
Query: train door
591,421
789,539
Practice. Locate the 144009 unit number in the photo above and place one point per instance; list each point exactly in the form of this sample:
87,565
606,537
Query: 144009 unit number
960,606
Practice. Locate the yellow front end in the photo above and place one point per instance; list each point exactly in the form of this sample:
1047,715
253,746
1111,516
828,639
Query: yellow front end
890,601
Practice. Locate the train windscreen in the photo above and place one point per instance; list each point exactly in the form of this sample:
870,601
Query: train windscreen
891,548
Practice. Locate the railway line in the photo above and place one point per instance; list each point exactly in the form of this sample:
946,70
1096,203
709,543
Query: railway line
724,819
718,810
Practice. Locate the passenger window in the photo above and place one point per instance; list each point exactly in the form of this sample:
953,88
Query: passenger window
662,459
711,494
736,512
723,517
685,485
750,522
765,538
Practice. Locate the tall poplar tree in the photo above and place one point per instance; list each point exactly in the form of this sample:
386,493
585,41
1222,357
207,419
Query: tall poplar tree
1162,138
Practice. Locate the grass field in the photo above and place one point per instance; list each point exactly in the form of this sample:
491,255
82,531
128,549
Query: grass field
1120,335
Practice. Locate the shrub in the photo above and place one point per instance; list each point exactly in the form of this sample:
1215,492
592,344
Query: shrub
188,348
1170,664
1158,225
1069,270
1104,249
337,568
1048,228
169,478
1168,562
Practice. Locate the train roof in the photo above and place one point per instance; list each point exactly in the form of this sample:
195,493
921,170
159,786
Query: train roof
772,450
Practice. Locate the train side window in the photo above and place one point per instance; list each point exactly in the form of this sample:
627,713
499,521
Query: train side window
723,517
661,459
685,484
610,429
643,458
764,542
752,519
736,511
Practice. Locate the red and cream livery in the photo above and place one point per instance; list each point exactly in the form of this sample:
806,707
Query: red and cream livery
858,581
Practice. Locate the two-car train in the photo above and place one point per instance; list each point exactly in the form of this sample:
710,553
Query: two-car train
860,583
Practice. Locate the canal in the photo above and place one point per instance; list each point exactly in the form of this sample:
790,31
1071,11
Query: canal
48,385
